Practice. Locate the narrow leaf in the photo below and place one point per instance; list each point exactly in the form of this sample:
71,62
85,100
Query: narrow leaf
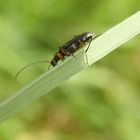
100,47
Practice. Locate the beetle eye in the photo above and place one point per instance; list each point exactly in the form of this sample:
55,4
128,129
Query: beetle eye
53,62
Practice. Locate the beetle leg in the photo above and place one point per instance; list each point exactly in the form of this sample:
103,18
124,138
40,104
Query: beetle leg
63,58
91,41
88,45
64,51
49,66
61,49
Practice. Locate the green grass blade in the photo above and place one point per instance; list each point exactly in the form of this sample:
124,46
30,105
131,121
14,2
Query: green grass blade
113,38
104,44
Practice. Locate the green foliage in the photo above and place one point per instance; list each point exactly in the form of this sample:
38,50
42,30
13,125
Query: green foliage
47,82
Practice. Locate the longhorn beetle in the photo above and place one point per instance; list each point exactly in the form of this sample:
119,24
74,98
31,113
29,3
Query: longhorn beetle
67,49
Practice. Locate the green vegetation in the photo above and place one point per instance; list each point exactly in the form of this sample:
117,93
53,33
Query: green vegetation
101,102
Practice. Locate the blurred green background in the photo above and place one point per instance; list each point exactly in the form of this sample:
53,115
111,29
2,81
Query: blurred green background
100,103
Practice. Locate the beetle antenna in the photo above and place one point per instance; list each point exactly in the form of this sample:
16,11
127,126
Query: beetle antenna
23,68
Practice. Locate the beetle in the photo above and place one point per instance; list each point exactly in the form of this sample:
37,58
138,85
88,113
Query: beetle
72,46
67,49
